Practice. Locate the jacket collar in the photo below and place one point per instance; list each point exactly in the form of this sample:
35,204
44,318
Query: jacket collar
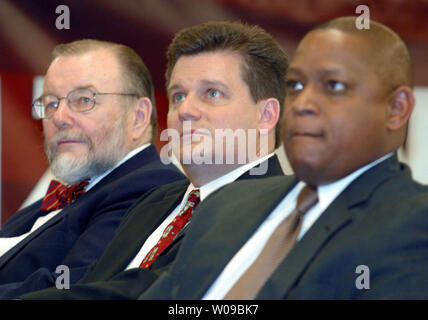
339,214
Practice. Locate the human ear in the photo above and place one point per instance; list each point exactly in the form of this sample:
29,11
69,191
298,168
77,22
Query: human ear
400,107
269,114
142,111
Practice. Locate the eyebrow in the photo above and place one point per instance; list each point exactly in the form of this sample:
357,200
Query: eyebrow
90,87
324,72
173,87
215,83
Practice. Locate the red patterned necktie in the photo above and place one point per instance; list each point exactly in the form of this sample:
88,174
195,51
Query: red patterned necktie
59,195
172,230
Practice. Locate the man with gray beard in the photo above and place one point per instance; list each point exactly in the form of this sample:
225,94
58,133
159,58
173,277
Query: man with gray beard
96,162
99,120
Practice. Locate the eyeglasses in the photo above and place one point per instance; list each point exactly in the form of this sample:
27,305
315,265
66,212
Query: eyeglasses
79,100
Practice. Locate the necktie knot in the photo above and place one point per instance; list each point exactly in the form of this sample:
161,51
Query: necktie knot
194,198
279,244
173,229
307,198
60,195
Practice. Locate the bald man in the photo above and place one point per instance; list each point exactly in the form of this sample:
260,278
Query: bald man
353,223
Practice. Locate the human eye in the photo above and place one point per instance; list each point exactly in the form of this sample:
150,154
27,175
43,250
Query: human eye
178,97
50,101
213,94
85,99
52,104
336,86
81,100
293,85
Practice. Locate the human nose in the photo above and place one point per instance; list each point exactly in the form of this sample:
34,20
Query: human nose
63,117
305,102
188,109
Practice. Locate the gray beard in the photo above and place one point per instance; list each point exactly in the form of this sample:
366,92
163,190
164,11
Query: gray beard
95,162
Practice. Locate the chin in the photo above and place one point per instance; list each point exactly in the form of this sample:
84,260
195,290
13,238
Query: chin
307,168
70,169
185,155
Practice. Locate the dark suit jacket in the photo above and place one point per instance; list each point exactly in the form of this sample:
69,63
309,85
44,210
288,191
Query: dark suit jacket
106,278
77,235
380,221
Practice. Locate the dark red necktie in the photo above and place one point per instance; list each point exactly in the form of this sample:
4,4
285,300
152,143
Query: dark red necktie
59,195
172,230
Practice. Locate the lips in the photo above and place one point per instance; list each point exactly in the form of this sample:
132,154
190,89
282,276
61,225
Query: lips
187,133
190,133
68,141
305,134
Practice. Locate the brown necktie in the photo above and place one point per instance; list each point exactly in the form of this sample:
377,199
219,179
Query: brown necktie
276,249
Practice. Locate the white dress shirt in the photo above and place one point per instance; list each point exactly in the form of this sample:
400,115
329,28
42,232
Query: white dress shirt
249,252
8,243
205,191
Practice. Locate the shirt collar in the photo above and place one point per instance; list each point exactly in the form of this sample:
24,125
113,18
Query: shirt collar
327,193
128,156
216,184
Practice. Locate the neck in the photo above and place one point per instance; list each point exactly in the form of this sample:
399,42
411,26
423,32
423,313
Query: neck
200,175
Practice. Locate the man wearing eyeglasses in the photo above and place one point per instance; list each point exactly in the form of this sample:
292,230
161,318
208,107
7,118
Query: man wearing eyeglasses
99,119
220,76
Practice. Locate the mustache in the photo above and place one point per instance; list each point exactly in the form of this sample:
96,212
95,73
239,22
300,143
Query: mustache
68,135
51,147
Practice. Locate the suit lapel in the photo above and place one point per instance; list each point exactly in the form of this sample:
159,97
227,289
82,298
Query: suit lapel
139,160
143,222
334,218
20,245
273,169
242,218
338,215
142,158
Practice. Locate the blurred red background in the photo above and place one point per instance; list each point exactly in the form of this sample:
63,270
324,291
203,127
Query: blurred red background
28,35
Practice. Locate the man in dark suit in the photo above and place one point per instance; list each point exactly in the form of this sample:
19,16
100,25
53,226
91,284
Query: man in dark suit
214,82
363,233
98,120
